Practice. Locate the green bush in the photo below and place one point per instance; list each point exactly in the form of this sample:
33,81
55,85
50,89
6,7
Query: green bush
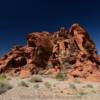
36,86
36,78
4,86
47,85
77,80
72,86
61,76
2,77
81,93
24,84
89,86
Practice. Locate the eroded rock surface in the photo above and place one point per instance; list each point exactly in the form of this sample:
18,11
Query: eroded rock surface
29,59
69,50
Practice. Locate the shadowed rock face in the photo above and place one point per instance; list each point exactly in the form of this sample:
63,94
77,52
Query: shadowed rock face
62,49
42,48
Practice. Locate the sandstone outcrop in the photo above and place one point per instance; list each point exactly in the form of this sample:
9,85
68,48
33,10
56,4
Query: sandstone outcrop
29,59
69,50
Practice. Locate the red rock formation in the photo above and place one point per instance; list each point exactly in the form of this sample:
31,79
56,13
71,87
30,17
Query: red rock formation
26,60
87,65
71,51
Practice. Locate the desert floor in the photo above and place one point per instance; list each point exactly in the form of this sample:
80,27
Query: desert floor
50,89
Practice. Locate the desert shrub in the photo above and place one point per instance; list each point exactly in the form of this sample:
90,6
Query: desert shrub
81,93
2,77
72,86
36,78
89,86
93,91
4,85
36,86
47,85
61,76
24,84
77,80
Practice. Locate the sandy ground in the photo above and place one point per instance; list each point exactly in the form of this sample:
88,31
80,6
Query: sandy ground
51,89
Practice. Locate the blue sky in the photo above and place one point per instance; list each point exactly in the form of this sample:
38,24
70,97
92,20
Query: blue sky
20,17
